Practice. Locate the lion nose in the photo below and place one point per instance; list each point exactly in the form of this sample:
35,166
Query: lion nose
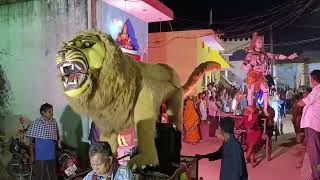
67,70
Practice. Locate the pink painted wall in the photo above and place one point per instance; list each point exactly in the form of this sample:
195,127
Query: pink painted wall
170,48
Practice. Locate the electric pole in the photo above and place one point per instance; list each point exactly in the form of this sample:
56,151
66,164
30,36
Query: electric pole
272,65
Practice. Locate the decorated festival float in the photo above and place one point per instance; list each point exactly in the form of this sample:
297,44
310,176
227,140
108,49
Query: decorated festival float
132,91
127,24
102,82
257,124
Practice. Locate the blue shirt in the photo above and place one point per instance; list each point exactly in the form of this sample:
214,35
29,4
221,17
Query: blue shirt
233,165
279,106
122,173
45,149
243,103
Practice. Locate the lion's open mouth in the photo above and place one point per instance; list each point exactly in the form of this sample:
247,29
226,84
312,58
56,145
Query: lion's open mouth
73,74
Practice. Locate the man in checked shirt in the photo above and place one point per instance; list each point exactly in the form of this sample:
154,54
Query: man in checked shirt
44,136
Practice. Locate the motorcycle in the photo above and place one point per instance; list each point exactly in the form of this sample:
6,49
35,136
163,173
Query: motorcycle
19,166
68,162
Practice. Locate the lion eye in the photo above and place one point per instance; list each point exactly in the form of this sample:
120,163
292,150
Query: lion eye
88,44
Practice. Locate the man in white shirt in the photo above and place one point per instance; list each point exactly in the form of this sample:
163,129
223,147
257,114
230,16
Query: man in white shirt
213,111
310,121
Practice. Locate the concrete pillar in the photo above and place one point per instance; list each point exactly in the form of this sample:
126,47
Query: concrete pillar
226,74
99,4
303,73
92,14
274,74
299,76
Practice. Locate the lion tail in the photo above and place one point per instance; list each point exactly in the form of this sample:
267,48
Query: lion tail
198,73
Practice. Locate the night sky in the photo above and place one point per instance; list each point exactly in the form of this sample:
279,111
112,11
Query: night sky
292,20
222,9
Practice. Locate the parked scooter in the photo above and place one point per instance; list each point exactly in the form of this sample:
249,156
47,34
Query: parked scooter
68,162
19,166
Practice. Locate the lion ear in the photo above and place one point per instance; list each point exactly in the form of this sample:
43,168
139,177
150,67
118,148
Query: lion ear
63,44
110,39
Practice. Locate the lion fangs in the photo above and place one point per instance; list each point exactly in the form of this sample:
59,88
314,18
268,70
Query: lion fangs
72,67
72,83
81,78
61,69
65,83
134,167
66,64
78,67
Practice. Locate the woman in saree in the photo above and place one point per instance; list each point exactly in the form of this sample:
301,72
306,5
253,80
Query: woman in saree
190,123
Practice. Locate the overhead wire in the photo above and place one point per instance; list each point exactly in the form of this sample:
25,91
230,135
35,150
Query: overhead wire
246,19
265,25
298,14
250,18
272,14
296,42
161,43
261,27
273,20
305,26
276,17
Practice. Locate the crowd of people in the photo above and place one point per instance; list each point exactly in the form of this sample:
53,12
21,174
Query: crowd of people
204,108
303,104
208,104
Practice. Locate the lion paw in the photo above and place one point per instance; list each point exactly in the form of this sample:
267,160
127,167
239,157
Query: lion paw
140,162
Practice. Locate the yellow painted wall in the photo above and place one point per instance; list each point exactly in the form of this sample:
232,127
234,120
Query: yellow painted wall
205,53
182,54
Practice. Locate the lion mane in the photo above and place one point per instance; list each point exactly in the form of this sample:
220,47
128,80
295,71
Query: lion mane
123,93
113,93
